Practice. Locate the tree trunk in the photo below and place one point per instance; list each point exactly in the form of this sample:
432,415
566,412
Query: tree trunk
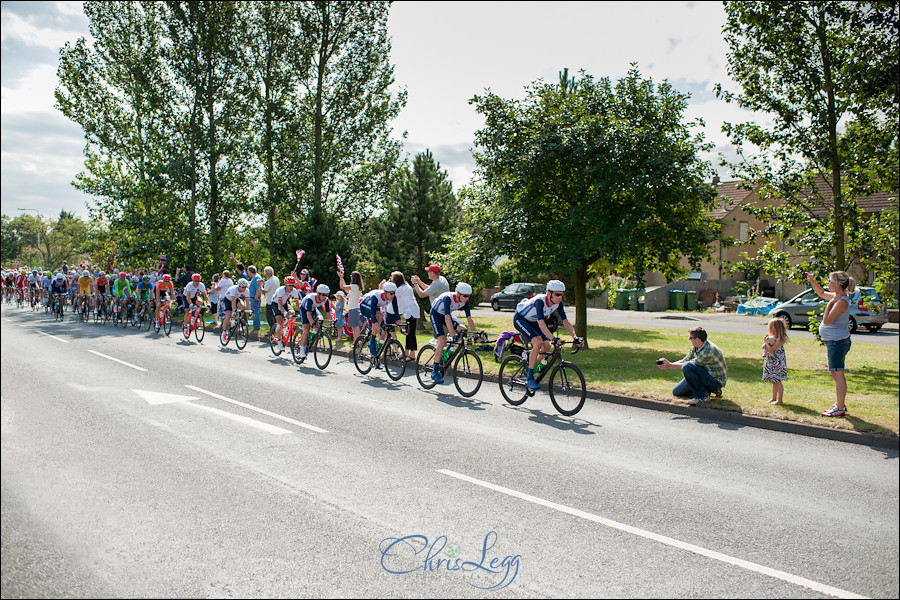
840,261
581,302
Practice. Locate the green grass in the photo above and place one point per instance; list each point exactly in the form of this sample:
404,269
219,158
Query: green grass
622,360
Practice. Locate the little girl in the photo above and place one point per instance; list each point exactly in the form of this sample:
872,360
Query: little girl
339,313
775,368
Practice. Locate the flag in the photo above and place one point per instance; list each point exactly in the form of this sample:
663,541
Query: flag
340,263
300,254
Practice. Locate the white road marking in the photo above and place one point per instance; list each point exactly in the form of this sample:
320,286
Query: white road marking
257,409
241,419
54,337
118,361
163,398
788,577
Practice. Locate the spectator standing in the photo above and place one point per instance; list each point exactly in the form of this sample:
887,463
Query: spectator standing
214,298
775,367
225,283
255,296
834,331
703,368
406,302
270,286
354,294
340,299
439,284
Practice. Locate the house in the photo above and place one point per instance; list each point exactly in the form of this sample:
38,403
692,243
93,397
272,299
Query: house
713,275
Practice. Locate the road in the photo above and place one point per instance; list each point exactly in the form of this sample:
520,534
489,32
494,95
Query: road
138,465
712,322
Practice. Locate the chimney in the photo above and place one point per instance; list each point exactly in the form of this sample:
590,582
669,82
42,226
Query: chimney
715,180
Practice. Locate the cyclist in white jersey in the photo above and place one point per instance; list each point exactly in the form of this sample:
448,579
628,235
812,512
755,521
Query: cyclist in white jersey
193,293
308,308
281,306
442,315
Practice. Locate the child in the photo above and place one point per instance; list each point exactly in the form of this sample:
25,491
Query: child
775,368
339,313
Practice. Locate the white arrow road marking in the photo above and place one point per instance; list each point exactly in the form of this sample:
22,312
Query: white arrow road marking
257,409
157,398
121,362
744,564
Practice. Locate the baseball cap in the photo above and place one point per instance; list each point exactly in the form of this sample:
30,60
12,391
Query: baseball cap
434,269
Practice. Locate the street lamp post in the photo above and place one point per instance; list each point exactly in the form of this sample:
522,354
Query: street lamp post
37,212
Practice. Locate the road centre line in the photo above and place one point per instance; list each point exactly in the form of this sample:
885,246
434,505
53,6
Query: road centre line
257,409
750,566
118,361
54,337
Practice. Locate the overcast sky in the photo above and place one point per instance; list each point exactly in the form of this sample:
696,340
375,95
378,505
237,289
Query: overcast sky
444,53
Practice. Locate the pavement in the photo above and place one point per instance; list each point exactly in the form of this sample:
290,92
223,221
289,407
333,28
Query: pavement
710,414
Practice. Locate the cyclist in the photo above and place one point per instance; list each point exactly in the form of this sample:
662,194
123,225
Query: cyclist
234,300
144,292
370,306
86,288
46,282
309,307
57,290
442,315
281,306
164,291
192,296
531,321
101,286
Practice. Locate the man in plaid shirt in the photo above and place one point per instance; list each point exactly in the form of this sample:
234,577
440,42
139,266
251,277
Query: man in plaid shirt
703,368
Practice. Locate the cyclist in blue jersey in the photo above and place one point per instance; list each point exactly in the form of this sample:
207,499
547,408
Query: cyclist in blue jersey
531,321
308,309
370,306
442,320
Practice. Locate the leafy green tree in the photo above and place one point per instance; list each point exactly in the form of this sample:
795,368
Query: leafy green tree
586,169
418,219
34,240
826,75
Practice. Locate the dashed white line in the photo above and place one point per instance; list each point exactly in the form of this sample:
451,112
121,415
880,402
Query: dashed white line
257,409
54,337
121,362
744,564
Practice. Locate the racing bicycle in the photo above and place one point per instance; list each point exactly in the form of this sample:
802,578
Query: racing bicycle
468,373
196,324
390,353
318,342
567,387
239,330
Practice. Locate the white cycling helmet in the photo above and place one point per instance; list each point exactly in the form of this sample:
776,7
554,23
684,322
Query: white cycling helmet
243,282
323,289
60,276
390,286
556,286
463,288
85,273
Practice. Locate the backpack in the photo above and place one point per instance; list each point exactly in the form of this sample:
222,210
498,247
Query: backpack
507,341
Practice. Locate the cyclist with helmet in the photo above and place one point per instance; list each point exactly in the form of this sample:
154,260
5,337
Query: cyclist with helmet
165,290
144,292
531,321
101,285
370,307
21,281
57,290
309,306
86,288
46,282
194,292
442,319
281,306
234,300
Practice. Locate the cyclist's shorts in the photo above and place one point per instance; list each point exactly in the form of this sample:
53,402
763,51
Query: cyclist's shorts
101,289
528,329
226,302
276,310
438,321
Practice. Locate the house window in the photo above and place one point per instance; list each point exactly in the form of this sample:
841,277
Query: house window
745,231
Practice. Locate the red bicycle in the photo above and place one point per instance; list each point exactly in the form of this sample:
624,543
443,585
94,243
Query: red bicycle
196,324
164,321
287,336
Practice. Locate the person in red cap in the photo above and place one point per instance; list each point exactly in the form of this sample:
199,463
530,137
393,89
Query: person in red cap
439,284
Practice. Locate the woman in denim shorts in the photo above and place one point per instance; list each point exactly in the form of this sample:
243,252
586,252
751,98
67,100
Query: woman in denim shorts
834,331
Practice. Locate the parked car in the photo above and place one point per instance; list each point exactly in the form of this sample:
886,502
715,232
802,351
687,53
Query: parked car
510,296
794,311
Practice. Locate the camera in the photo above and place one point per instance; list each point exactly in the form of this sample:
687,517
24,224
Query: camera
659,361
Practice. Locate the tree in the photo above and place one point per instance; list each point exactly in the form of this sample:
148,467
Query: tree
418,219
826,73
582,170
33,240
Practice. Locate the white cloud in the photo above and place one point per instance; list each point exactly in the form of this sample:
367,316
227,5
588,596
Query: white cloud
33,92
15,27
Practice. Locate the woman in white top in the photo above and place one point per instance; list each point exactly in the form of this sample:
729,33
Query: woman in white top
406,302
354,293
269,288
834,332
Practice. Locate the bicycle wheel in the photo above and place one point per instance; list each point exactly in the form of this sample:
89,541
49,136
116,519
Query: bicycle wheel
295,346
273,342
224,336
512,380
322,349
146,319
567,389
468,374
242,335
167,322
425,366
394,359
199,328
362,358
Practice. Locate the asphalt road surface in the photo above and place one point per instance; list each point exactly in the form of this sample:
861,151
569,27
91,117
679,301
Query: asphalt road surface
144,466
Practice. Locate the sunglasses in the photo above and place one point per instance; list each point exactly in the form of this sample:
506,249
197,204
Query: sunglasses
464,295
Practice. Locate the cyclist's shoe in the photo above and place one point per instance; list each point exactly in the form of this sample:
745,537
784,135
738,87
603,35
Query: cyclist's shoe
225,337
302,351
280,346
436,376
530,383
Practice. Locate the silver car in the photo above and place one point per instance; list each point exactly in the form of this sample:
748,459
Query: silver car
866,309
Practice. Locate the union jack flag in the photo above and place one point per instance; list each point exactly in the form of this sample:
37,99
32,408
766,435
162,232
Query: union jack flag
340,263
300,254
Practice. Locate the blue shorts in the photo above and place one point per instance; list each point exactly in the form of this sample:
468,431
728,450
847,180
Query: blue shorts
837,350
528,329
437,323
353,317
